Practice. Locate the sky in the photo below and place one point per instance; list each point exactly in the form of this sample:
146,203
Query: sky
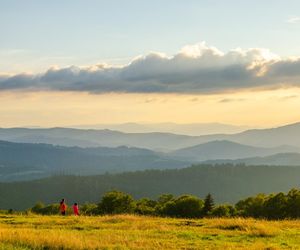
90,62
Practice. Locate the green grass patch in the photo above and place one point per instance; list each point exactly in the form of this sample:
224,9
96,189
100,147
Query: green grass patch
141,232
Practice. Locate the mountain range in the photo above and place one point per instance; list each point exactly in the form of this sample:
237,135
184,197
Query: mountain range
34,153
227,150
166,142
281,159
25,161
193,129
47,164
22,161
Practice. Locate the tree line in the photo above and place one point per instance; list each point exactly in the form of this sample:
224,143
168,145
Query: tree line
228,183
272,206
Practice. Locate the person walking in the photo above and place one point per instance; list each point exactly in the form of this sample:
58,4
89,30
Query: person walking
76,209
63,207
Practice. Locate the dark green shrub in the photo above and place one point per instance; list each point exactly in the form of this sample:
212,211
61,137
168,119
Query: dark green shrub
116,202
185,206
223,211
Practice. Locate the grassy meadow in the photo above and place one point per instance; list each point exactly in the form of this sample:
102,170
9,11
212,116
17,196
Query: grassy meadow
140,232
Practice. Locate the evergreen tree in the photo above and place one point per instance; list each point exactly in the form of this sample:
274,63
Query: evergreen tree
208,204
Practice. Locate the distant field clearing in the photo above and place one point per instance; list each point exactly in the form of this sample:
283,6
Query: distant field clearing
139,232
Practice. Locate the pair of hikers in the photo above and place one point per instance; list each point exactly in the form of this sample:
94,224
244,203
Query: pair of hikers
63,208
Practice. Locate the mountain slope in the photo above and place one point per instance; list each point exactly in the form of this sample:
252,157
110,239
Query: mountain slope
286,135
227,150
92,138
281,159
193,129
226,183
26,161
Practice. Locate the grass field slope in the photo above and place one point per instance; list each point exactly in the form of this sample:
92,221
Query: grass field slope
139,232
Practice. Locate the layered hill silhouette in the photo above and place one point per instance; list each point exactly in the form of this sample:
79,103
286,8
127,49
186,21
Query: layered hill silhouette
193,129
22,161
37,153
274,137
96,138
281,159
227,150
52,155
19,161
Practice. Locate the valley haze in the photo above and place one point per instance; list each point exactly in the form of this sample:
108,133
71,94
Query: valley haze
32,153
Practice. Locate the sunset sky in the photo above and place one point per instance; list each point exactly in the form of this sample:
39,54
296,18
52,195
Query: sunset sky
65,63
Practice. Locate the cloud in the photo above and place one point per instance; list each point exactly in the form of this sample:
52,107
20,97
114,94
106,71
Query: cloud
294,19
194,69
289,97
195,99
228,100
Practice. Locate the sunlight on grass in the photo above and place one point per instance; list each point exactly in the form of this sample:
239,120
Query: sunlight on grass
139,232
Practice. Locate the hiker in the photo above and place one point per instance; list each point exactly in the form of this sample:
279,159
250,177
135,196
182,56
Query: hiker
76,209
63,207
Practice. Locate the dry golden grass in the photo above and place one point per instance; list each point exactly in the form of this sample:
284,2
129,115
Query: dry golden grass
139,232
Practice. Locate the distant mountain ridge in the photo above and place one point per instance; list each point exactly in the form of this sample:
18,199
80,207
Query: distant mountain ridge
274,137
22,161
280,159
36,153
94,138
192,129
227,150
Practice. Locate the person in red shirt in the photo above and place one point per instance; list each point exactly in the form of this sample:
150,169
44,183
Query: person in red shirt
63,207
76,209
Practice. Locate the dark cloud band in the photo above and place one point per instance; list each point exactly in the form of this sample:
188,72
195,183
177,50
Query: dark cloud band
195,69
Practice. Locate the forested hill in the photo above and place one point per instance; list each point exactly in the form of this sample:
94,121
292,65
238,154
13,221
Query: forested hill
25,161
227,183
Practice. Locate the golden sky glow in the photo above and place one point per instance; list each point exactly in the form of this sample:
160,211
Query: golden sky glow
48,109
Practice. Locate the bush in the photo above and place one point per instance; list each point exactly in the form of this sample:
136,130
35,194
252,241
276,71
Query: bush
252,206
223,211
52,209
293,203
116,202
89,209
164,198
275,207
145,207
185,206
38,207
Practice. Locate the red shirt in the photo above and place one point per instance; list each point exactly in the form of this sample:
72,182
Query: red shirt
76,209
63,207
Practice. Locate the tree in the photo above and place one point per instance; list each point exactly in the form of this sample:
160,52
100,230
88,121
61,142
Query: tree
164,198
208,204
293,203
275,206
89,209
53,209
116,202
185,206
145,206
223,211
252,206
38,207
